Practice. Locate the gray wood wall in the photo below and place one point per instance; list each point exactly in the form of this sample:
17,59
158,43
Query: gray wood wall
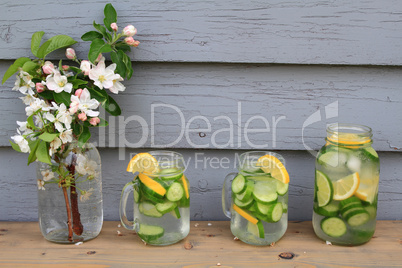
298,65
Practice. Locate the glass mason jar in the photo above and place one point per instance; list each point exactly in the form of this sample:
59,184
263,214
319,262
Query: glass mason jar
161,214
256,202
70,195
346,186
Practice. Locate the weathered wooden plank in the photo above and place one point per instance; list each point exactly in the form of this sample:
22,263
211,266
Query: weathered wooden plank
313,32
210,245
206,171
215,105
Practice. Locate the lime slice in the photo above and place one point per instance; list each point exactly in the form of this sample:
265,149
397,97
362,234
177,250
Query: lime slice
346,187
324,188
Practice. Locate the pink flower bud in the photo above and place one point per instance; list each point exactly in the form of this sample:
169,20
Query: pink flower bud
94,121
78,92
85,66
39,87
70,53
131,42
136,43
98,58
114,26
48,67
129,30
65,67
82,116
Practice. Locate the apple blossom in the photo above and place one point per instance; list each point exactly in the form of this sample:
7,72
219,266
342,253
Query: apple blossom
85,103
129,30
21,142
86,167
114,26
54,145
73,107
66,136
78,92
62,117
39,87
40,184
70,54
48,68
85,66
103,77
35,105
82,116
117,86
58,83
94,121
47,174
24,83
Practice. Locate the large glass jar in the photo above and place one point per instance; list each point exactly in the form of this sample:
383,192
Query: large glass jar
161,199
70,195
346,186
256,198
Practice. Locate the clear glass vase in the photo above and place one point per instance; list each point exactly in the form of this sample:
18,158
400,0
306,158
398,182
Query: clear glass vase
70,202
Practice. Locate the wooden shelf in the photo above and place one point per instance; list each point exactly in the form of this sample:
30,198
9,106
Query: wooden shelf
209,244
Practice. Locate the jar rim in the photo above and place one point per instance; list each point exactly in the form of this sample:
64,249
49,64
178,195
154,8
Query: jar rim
169,159
351,134
250,158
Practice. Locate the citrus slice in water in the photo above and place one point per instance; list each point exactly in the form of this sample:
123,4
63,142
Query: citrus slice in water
143,163
324,188
271,164
346,187
366,193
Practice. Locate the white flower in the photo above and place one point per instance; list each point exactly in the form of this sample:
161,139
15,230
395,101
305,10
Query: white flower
38,121
85,66
103,77
21,142
47,175
66,136
54,145
36,105
58,83
23,128
117,86
40,185
28,99
62,117
85,103
85,195
86,167
24,83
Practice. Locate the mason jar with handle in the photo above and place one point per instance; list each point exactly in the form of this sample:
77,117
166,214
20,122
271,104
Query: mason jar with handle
256,198
346,186
161,198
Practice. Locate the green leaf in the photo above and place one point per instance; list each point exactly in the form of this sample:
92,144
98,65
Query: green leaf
120,66
75,69
62,97
77,128
29,66
97,95
42,152
35,42
77,83
103,31
15,146
14,68
123,46
30,121
97,47
47,94
48,137
110,16
33,145
112,107
85,136
54,43
91,35
129,66
103,123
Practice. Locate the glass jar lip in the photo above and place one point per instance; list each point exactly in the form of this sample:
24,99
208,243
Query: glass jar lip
352,134
251,157
168,160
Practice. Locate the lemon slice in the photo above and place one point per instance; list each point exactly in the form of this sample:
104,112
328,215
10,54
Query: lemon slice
143,163
271,164
346,187
367,190
324,188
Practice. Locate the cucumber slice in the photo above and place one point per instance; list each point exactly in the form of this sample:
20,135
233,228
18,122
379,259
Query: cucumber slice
349,207
281,188
262,208
175,192
151,192
330,210
238,184
261,178
372,211
136,193
244,205
149,209
176,213
275,212
165,207
333,226
147,197
150,232
256,229
246,194
264,192
324,189
346,202
184,202
177,174
357,217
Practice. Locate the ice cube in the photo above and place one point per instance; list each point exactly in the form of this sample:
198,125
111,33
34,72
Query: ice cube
354,163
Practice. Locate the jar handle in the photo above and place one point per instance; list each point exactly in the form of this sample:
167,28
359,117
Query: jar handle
128,188
227,194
